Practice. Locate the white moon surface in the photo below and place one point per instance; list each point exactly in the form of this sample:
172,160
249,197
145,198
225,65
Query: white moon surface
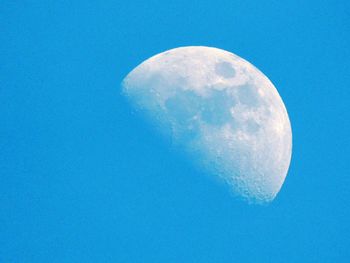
222,110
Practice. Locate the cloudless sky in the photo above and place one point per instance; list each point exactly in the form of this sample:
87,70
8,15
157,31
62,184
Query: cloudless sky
85,179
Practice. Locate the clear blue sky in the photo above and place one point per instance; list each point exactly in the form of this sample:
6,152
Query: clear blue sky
84,179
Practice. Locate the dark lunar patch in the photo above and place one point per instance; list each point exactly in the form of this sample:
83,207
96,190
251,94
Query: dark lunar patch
225,70
183,106
252,126
248,95
216,109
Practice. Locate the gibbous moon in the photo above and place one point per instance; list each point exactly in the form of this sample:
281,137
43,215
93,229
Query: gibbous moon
223,111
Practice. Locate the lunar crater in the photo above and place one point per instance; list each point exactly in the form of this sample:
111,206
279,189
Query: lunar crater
225,69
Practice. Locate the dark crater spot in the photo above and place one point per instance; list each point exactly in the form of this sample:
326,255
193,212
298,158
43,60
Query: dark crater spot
248,95
225,70
183,106
216,109
252,126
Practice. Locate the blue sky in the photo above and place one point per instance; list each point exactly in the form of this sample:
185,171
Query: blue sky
85,179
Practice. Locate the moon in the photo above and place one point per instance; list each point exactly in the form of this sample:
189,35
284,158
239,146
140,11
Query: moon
222,110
